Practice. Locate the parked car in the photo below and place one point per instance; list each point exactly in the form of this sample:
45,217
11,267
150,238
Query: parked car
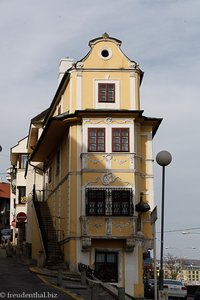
6,234
175,288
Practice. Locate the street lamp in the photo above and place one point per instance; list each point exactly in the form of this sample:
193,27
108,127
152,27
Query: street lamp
189,232
163,158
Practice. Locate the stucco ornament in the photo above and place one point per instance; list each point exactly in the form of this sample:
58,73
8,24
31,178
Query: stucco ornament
108,178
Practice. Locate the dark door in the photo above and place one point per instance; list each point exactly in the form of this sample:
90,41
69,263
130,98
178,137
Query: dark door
106,266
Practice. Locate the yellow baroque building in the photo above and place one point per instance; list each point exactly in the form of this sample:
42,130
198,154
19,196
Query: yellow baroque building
95,155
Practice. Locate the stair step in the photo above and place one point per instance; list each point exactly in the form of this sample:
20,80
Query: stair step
54,254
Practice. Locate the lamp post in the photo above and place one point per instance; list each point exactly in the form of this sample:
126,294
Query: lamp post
163,158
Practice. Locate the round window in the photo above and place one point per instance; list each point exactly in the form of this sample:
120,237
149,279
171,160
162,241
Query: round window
105,53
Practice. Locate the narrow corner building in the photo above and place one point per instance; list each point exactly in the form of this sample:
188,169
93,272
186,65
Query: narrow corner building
94,154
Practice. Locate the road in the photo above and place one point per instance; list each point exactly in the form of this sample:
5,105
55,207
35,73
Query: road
17,282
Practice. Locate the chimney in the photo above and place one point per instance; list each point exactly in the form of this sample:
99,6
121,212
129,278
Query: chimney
65,64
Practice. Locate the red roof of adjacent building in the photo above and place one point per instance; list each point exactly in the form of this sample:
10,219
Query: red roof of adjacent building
4,190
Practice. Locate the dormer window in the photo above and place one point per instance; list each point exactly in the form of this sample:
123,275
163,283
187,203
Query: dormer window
106,92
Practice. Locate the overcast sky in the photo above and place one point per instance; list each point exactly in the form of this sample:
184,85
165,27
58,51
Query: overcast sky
162,36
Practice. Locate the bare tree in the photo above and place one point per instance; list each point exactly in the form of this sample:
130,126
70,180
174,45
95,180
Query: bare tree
172,266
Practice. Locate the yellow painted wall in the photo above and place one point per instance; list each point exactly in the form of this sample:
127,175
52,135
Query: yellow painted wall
125,90
74,93
147,227
36,241
88,87
138,288
137,90
96,161
66,99
120,161
122,179
115,68
118,60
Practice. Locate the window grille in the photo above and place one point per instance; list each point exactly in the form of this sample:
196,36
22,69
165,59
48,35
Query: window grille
109,202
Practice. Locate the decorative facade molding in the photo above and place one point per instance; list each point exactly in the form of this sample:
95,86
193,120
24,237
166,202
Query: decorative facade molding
108,226
132,65
86,244
107,179
107,158
108,121
79,65
121,225
130,244
84,225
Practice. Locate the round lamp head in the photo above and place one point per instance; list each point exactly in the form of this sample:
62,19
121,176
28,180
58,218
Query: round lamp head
163,158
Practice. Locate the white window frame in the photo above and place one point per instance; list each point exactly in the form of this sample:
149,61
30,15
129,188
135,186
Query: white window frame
108,135
107,105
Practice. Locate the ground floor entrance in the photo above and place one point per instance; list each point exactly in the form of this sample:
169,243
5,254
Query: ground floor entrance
106,266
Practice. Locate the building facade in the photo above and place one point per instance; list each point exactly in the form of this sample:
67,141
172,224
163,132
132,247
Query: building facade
18,199
22,175
190,271
94,155
4,205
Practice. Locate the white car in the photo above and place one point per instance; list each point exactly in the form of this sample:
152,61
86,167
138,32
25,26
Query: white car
175,288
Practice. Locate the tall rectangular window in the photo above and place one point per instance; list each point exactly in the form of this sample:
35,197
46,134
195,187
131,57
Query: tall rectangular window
23,161
121,200
120,139
96,202
96,139
106,92
21,194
